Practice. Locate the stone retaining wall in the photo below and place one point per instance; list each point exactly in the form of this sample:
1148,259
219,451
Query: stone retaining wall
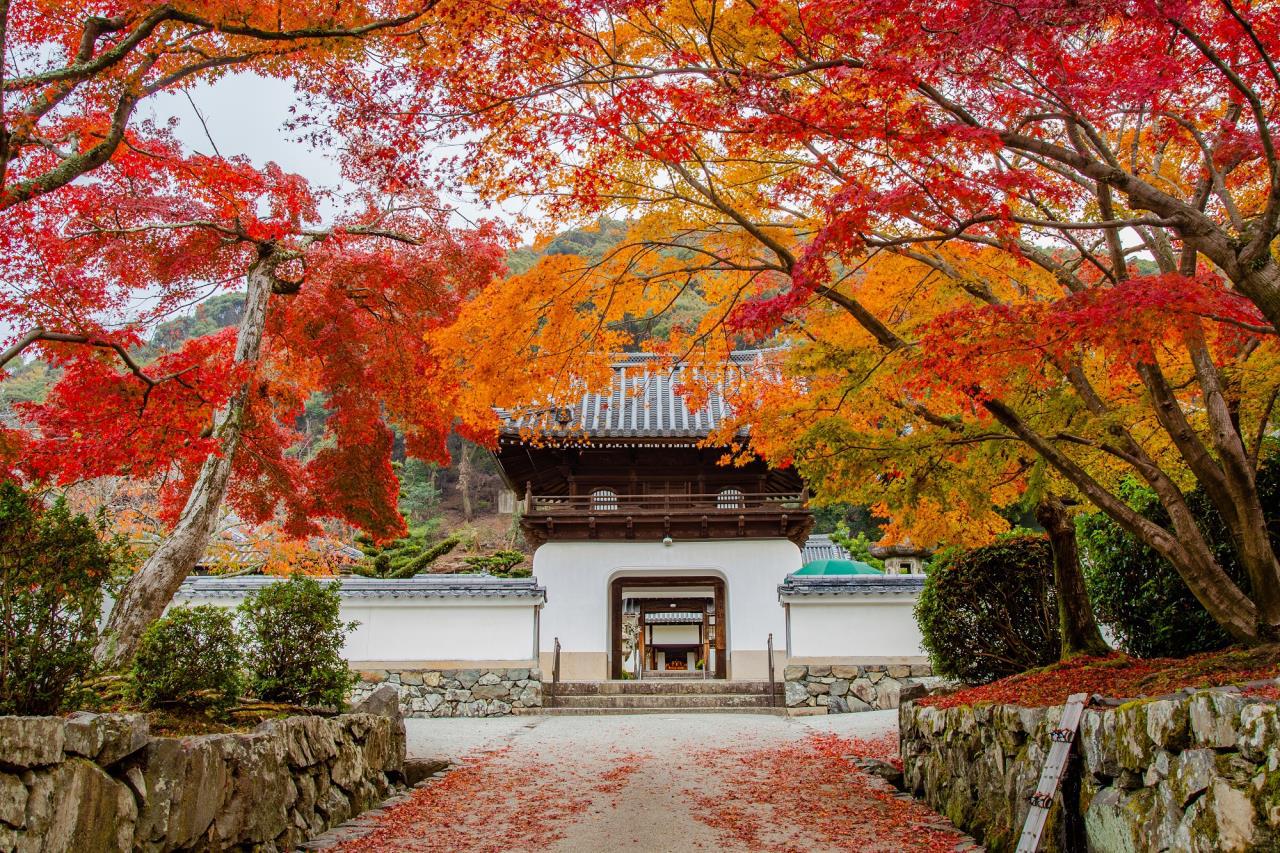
102,783
849,688
1193,772
458,692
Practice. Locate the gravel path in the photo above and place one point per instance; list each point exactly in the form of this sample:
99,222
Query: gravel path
657,782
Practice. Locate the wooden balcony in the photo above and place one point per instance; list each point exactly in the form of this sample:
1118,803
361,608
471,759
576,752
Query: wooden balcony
729,514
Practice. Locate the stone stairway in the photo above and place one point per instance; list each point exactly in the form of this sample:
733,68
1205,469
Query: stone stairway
663,696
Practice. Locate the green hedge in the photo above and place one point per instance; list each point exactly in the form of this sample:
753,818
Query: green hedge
191,657
293,640
991,612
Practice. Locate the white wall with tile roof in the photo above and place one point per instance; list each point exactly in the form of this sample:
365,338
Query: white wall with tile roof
577,575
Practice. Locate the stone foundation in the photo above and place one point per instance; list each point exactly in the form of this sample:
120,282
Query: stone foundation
1197,772
841,689
458,692
102,783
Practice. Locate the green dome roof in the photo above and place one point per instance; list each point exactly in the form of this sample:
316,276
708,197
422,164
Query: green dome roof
837,567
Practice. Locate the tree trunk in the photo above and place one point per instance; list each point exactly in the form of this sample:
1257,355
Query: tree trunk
150,590
1076,623
1184,547
464,480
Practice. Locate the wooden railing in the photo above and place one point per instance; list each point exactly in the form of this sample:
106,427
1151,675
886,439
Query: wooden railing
747,503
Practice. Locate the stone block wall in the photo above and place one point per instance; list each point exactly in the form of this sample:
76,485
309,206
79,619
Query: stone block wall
841,689
1192,772
458,692
102,783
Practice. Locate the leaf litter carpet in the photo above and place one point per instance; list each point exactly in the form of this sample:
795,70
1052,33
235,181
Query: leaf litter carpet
661,783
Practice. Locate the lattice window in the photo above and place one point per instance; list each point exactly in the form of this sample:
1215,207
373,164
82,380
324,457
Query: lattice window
604,500
730,498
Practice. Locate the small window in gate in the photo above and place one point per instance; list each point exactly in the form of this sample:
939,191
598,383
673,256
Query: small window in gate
604,500
730,498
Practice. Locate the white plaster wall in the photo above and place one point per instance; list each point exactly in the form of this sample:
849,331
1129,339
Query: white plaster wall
576,576
424,630
855,627
675,634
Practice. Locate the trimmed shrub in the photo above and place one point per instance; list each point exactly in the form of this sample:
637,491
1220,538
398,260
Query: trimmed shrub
54,569
293,637
190,656
991,612
501,564
405,557
1139,595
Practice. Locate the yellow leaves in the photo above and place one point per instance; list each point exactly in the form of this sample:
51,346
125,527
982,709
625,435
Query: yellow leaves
928,524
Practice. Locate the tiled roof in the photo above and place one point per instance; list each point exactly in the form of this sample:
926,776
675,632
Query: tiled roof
672,618
820,547
641,402
846,585
422,586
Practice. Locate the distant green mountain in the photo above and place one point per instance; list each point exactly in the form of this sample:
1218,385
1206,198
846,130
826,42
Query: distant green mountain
216,312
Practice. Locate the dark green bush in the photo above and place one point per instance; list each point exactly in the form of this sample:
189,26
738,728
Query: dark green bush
190,656
54,569
1139,596
991,612
293,637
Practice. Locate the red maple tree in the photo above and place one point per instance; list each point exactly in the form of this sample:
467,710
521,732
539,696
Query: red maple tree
108,225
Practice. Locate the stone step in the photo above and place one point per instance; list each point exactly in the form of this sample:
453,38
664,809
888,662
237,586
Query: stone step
591,712
666,688
749,700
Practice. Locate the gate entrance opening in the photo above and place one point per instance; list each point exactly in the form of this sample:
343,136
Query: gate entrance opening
668,627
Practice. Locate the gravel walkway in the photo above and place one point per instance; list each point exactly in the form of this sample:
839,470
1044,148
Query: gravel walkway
657,782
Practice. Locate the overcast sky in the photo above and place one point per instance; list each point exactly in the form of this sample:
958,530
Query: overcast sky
246,115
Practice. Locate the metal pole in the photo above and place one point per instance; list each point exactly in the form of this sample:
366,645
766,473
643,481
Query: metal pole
773,691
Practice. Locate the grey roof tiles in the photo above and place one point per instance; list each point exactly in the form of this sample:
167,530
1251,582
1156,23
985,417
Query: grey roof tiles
420,586
642,401
844,585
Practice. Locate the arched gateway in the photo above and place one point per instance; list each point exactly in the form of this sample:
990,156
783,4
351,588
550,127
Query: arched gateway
656,560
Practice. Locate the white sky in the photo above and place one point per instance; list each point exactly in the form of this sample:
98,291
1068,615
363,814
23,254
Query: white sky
247,115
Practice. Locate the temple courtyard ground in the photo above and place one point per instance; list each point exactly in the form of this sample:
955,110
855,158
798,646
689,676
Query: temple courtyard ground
656,782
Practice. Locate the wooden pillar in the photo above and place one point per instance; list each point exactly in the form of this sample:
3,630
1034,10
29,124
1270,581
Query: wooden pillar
615,623
722,665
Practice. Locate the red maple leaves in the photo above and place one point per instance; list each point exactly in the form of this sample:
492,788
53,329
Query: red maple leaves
1118,676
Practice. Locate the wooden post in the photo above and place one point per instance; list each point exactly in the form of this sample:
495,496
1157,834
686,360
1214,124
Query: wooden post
722,665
